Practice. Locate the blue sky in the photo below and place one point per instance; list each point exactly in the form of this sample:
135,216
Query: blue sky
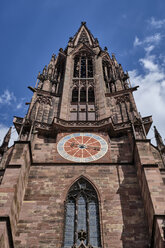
32,30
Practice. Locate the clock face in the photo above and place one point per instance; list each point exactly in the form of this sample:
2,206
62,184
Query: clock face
82,147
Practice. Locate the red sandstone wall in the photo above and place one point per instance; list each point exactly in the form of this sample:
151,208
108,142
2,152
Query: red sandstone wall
45,150
121,208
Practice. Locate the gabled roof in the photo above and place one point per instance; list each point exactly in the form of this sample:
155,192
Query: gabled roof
83,35
82,47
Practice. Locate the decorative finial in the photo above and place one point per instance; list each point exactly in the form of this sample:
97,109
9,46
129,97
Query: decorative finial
83,23
53,56
105,48
39,75
158,138
6,140
113,56
44,70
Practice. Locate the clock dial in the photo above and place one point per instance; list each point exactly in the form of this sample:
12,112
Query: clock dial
82,147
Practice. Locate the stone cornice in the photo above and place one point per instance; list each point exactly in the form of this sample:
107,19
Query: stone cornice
121,92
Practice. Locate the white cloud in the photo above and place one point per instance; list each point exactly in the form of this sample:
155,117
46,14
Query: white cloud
153,38
20,103
149,48
3,131
149,42
19,106
150,97
7,97
148,64
137,42
156,23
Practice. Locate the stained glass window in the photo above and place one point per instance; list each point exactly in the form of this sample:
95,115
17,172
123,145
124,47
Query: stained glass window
69,223
82,216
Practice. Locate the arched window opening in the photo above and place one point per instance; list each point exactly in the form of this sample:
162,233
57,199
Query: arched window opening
83,66
76,67
91,95
90,68
75,95
106,70
69,223
83,95
82,216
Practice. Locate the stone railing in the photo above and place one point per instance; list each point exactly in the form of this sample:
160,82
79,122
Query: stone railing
103,124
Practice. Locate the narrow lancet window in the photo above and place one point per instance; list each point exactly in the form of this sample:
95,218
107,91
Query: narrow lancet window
83,67
69,223
90,68
83,95
91,95
75,95
76,67
82,216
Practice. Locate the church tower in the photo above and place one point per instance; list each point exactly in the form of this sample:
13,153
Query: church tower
83,173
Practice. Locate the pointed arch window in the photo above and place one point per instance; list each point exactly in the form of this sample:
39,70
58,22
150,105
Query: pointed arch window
82,225
90,68
75,95
91,95
83,94
83,66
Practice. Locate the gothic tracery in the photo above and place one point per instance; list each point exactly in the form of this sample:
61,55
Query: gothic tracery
82,228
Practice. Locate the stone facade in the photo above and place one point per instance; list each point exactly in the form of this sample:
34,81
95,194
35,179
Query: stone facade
83,98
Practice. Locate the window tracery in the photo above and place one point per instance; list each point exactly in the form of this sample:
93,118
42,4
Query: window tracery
82,227
83,66
83,38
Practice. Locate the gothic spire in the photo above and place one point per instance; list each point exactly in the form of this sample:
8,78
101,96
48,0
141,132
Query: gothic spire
84,36
6,140
158,138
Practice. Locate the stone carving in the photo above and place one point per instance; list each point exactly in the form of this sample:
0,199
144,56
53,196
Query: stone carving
82,245
123,98
82,235
45,100
83,38
60,123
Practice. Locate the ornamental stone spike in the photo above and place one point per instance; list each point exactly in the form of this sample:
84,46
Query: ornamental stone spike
6,140
158,138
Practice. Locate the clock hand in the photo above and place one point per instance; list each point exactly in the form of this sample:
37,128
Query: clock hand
73,144
94,147
85,146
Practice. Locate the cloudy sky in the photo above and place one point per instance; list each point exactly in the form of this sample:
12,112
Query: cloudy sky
32,30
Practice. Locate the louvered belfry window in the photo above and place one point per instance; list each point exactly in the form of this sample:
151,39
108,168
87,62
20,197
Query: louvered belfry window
82,225
83,105
75,95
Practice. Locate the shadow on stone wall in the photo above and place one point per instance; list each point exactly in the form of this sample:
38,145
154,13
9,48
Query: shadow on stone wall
135,230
